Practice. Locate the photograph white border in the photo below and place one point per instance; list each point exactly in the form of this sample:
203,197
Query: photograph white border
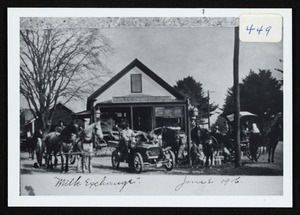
14,198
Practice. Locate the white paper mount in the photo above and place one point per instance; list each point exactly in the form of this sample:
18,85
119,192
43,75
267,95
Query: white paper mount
260,27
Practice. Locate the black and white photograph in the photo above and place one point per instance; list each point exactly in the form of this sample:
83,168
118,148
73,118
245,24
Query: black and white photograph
154,105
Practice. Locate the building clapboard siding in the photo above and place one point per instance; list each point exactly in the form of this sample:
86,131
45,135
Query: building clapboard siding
138,96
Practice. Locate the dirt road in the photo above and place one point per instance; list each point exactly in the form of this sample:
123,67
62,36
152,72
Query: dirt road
102,165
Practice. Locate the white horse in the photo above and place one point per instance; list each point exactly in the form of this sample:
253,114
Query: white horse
85,145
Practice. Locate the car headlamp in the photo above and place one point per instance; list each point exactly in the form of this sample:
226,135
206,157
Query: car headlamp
132,145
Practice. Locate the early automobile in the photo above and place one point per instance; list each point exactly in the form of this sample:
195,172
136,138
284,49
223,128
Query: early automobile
143,153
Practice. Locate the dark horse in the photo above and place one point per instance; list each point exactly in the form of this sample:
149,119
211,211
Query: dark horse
172,138
60,143
275,136
269,137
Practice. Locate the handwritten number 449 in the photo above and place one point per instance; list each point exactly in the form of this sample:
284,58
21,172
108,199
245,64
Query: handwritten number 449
267,29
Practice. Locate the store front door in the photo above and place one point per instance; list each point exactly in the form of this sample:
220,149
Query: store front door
142,118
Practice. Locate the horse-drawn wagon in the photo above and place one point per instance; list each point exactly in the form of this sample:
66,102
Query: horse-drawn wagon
253,141
246,136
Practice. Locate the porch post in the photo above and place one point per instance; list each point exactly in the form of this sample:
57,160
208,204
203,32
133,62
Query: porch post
131,117
188,131
153,117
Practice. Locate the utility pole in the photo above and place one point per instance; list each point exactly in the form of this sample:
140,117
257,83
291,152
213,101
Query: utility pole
236,98
208,108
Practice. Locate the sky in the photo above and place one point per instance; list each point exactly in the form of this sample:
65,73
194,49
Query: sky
206,53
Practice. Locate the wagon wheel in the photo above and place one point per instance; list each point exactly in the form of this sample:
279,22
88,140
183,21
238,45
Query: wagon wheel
72,158
101,147
115,159
171,160
248,154
138,162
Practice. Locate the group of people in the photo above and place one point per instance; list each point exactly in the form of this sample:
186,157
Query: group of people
72,130
223,137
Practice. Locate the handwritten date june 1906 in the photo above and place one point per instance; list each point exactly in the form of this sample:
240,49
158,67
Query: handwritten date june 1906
208,181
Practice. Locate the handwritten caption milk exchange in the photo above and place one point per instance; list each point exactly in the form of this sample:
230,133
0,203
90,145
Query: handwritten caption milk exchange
92,183
199,182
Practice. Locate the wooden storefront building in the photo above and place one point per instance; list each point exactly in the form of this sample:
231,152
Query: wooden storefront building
138,96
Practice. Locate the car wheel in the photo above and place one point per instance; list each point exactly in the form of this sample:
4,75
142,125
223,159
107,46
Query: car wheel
137,163
171,160
115,159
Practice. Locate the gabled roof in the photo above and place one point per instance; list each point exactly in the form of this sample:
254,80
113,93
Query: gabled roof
63,106
146,70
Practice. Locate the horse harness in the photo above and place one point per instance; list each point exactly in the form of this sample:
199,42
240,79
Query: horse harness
87,142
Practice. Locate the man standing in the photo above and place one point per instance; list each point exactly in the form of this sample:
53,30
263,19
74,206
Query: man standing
196,153
60,126
254,141
196,134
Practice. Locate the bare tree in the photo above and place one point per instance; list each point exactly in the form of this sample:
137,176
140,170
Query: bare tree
58,63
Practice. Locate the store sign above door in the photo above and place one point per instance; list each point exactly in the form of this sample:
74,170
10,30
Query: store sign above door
128,99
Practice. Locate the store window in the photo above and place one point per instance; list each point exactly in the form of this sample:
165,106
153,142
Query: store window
136,83
169,116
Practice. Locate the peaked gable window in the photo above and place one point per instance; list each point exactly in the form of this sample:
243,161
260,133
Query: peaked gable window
136,83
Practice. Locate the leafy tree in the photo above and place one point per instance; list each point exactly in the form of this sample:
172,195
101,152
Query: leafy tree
260,94
59,63
193,90
220,123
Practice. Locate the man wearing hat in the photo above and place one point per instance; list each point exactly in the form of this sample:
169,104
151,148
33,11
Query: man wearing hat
60,126
128,136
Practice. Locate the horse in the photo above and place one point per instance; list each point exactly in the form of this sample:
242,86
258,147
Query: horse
84,145
60,143
40,149
53,143
275,136
172,138
268,138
